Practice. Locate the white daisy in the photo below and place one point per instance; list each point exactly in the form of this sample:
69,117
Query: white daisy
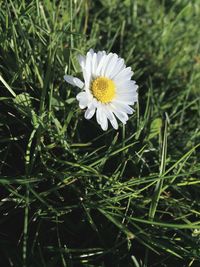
107,89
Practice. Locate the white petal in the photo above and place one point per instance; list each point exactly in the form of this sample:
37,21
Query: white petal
127,99
88,67
81,60
122,116
124,75
123,107
119,66
74,81
105,64
101,58
111,117
114,123
85,63
104,121
83,99
94,64
91,51
98,115
127,92
93,103
101,118
89,113
126,85
131,93
111,65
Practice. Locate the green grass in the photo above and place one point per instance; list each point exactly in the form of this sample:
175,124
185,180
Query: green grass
72,195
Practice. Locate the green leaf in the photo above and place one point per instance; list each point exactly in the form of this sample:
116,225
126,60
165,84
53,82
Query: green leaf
155,128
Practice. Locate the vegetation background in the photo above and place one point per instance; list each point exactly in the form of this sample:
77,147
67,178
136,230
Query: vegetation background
70,194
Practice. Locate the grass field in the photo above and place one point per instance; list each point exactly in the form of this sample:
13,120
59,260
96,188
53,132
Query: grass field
70,194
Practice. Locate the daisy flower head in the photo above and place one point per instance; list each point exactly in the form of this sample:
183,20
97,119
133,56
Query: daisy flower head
107,89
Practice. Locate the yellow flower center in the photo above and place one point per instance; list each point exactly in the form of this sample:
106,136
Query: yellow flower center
103,89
